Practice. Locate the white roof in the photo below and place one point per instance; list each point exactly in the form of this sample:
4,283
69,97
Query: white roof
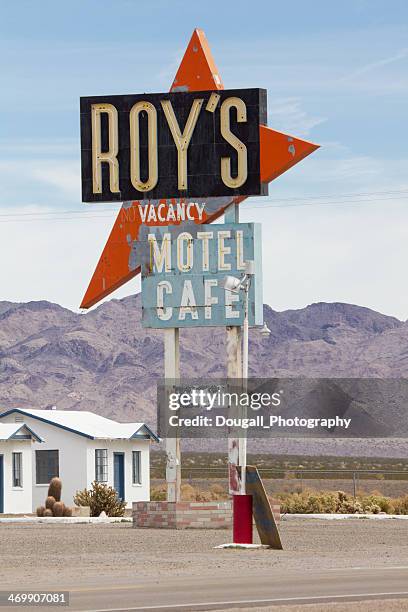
17,431
88,424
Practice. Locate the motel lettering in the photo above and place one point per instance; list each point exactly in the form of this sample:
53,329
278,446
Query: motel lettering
183,272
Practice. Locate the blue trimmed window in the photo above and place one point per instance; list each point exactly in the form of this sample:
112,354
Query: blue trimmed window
137,467
101,465
17,469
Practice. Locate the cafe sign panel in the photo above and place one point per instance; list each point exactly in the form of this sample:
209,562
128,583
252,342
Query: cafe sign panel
184,269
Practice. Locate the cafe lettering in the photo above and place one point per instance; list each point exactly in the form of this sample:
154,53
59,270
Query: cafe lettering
183,272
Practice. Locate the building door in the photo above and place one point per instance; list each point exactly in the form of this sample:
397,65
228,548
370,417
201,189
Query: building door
119,474
1,485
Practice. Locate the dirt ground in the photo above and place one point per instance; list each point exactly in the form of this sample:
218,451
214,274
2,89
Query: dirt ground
62,555
383,605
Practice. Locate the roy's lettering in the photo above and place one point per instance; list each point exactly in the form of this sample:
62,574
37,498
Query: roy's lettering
172,145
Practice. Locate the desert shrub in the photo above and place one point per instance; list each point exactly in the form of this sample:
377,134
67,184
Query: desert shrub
401,505
188,493
101,498
218,492
308,502
215,492
371,509
203,496
346,504
370,503
158,493
191,493
312,502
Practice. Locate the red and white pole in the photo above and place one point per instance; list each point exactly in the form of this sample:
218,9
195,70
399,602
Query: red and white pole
237,367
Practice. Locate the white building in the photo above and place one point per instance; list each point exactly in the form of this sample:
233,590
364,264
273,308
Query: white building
81,447
16,473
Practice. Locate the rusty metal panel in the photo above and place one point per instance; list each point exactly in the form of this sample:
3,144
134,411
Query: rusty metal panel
183,270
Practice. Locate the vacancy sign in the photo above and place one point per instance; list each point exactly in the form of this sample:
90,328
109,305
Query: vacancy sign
184,269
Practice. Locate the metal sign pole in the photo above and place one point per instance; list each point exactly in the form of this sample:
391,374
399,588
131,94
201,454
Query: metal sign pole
245,352
234,370
173,456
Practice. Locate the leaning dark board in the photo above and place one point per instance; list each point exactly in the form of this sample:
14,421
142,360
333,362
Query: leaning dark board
264,519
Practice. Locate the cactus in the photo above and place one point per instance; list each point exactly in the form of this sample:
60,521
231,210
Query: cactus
53,504
49,502
54,489
58,508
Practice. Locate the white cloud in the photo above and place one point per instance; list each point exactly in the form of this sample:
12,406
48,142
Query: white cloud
287,115
344,249
37,147
52,259
331,63
356,254
65,176
27,179
374,66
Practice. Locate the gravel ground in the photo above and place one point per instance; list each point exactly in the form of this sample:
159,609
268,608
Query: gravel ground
65,555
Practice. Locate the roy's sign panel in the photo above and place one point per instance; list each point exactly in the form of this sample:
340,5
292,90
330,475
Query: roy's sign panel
183,270
172,145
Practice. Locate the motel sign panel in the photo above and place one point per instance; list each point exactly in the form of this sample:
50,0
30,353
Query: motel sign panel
183,269
172,145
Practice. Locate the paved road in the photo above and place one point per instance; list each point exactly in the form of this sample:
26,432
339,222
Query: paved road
264,588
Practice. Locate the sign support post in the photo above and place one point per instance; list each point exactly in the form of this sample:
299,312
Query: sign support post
234,370
237,367
173,456
245,360
261,154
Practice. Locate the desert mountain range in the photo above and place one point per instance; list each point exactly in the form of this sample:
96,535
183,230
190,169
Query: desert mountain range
104,361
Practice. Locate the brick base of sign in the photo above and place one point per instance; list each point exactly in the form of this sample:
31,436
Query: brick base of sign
186,515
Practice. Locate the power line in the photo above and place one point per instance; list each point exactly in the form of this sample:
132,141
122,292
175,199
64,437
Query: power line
57,212
342,195
327,200
329,203
262,203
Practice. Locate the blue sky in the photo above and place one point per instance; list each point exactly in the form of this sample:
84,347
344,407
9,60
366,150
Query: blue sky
336,73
